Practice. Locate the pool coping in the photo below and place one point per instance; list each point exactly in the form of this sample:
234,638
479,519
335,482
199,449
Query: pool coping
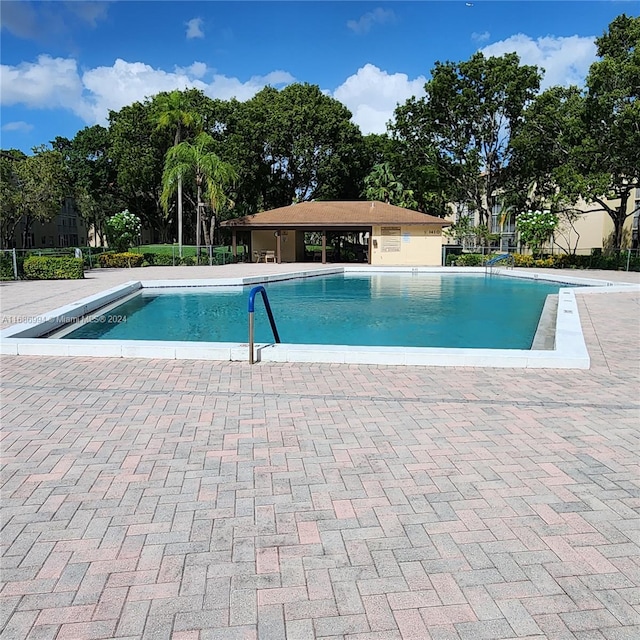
569,352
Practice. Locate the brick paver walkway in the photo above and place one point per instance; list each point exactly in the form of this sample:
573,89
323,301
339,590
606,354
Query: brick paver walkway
149,499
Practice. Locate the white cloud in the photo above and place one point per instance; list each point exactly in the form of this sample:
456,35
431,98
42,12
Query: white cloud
566,60
194,28
56,83
20,126
49,82
226,88
369,19
126,82
197,69
480,37
372,96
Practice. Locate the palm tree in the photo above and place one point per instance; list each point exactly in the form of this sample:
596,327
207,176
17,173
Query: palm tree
382,185
171,112
197,161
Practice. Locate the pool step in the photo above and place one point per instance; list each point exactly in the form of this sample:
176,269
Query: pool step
545,337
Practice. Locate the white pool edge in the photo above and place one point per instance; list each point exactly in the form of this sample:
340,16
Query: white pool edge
570,350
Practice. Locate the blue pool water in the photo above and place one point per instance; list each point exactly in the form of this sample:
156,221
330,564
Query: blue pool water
426,310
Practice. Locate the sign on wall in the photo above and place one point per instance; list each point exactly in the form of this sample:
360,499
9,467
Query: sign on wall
390,239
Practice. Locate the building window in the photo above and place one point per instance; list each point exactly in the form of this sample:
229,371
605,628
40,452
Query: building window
501,220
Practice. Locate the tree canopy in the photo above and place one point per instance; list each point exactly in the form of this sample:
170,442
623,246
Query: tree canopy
609,158
33,189
464,124
482,138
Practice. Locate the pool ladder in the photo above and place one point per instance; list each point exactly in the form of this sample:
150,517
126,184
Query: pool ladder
503,257
252,297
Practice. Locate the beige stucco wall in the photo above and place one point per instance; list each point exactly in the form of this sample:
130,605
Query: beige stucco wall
413,245
595,228
591,227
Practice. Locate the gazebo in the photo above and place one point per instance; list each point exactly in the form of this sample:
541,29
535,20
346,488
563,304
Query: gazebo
390,235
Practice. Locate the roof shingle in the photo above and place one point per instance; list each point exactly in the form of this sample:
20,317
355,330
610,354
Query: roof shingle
335,214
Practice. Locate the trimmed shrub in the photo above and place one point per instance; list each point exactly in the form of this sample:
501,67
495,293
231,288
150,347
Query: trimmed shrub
164,260
189,261
149,259
470,260
121,260
521,260
6,266
46,268
616,261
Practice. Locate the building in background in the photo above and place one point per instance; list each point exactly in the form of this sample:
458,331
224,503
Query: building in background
592,229
67,229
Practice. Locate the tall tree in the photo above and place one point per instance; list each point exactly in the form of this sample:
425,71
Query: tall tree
10,212
382,185
463,125
197,161
138,150
42,183
544,145
172,111
609,157
543,172
306,142
93,175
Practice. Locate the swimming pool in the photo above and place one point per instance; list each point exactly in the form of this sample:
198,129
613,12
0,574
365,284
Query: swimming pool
388,309
567,349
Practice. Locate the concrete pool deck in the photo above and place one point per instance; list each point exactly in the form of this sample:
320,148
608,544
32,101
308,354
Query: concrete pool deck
200,500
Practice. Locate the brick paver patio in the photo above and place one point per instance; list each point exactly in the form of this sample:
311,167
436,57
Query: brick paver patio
153,499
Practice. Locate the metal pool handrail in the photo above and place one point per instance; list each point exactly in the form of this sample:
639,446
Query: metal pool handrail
252,297
507,257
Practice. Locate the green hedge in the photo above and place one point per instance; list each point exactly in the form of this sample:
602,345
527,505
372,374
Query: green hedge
46,268
122,260
6,266
467,260
558,261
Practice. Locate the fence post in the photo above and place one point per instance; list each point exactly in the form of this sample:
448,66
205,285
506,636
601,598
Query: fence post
15,265
628,258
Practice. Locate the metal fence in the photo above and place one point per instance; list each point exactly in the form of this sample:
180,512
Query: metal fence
596,258
88,254
211,254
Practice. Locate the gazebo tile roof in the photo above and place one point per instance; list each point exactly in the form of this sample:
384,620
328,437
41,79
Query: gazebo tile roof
335,214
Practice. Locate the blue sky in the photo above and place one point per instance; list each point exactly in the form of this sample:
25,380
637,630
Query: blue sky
64,64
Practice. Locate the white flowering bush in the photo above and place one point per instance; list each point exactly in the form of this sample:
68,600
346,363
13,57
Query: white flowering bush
535,228
122,230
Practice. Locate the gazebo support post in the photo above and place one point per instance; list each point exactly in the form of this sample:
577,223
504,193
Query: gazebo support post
234,245
278,246
370,243
324,247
